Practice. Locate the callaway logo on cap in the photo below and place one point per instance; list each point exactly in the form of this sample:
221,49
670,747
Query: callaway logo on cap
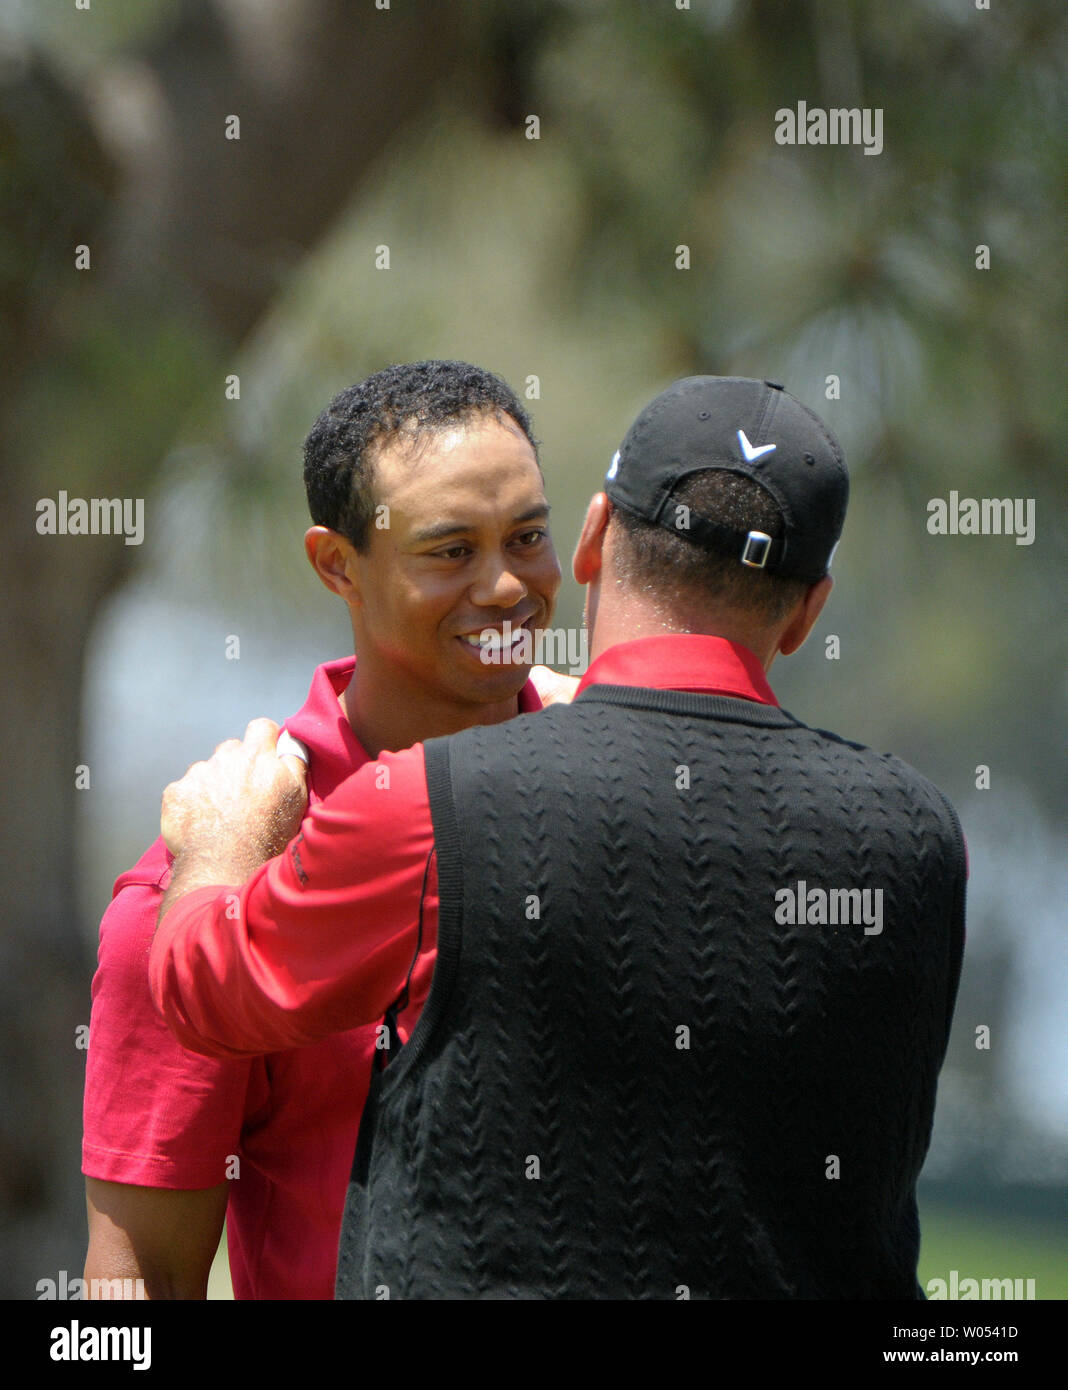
739,425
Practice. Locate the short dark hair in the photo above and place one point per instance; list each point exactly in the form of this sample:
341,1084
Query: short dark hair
651,557
410,399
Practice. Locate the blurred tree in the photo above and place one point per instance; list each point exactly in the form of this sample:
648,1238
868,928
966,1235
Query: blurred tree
190,236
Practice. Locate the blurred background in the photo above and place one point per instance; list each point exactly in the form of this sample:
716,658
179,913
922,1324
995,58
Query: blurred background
653,229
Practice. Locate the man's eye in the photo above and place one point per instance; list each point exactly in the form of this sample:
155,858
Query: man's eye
531,537
454,552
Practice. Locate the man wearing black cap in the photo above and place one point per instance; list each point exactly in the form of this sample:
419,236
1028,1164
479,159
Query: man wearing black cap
683,968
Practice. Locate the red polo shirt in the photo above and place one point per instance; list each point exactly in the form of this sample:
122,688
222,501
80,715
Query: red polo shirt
326,934
281,1127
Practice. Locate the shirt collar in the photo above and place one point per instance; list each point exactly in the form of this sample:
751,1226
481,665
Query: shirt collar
683,661
321,724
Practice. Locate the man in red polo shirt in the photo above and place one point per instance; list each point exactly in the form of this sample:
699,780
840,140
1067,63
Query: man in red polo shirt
431,525
638,1058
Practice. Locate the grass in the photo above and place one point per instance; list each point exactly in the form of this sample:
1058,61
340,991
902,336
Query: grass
984,1246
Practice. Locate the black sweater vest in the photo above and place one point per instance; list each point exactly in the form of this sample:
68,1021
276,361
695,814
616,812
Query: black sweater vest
696,970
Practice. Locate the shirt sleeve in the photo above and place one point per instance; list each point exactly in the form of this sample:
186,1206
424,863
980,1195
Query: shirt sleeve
320,939
155,1114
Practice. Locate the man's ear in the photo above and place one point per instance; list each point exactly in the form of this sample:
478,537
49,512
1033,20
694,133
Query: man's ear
801,624
332,557
586,565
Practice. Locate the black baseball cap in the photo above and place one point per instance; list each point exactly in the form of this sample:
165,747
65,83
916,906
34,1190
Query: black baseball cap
739,425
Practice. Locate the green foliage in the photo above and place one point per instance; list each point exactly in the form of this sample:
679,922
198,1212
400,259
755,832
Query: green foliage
107,27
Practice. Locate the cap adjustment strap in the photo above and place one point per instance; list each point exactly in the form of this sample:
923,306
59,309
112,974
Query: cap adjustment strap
756,549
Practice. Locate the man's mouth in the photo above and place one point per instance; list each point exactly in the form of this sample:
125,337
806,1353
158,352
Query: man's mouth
495,639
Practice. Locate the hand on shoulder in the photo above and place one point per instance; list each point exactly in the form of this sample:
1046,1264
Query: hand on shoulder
553,688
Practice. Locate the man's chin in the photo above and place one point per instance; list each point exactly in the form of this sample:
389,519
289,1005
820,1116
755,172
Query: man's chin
488,682
503,685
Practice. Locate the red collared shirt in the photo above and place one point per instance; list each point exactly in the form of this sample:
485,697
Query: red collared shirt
282,1127
325,935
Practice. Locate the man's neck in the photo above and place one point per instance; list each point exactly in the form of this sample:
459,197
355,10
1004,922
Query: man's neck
385,721
616,623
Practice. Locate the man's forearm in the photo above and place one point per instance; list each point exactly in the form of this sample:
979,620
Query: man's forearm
155,1243
208,866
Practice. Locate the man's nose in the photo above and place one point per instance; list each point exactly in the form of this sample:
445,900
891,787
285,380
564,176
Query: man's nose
496,584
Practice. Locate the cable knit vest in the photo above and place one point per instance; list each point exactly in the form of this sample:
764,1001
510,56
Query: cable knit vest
696,970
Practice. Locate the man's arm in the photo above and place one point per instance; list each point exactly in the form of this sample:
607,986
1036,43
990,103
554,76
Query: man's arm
160,1123
319,939
163,1237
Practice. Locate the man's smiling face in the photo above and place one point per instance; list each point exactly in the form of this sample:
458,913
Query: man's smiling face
467,548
